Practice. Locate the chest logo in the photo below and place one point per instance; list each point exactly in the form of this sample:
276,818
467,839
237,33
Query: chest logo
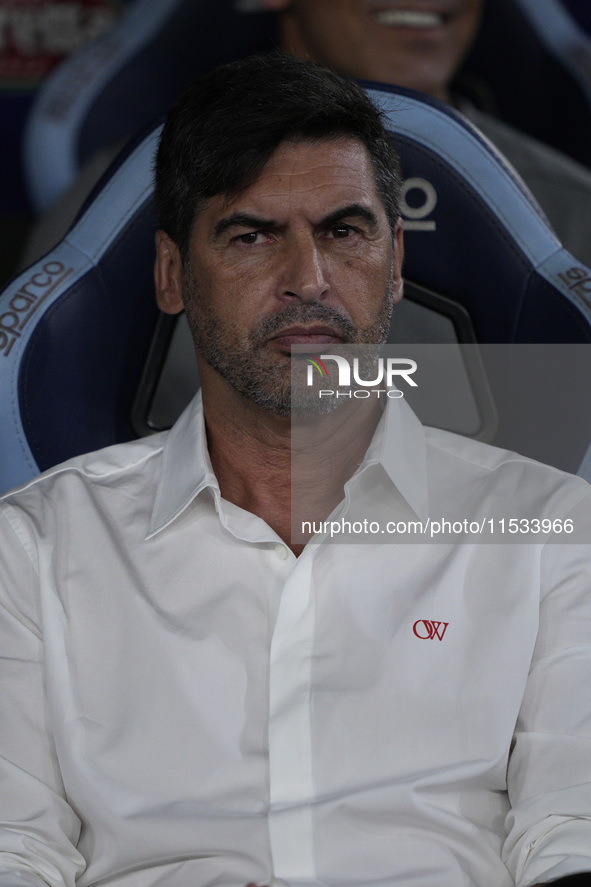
428,630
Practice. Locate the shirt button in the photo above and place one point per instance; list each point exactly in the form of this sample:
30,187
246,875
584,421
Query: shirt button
282,553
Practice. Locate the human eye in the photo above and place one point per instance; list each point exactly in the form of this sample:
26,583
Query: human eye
341,231
254,237
250,238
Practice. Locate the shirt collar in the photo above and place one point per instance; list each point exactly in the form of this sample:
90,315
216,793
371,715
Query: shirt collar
398,445
186,468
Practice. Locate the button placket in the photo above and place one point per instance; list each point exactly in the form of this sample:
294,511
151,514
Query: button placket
290,740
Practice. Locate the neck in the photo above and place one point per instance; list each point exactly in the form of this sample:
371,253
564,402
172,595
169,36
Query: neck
277,469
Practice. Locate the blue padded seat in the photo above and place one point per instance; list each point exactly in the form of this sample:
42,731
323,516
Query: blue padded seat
76,329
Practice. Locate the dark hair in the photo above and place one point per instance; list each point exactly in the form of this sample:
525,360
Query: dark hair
223,130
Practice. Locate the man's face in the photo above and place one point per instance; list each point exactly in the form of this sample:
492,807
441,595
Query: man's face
304,256
414,43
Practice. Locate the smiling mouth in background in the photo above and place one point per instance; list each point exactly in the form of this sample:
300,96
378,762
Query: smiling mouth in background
416,19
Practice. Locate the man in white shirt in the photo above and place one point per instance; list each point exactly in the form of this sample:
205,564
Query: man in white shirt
191,697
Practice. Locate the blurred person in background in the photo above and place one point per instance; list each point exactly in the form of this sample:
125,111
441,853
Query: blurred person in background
420,44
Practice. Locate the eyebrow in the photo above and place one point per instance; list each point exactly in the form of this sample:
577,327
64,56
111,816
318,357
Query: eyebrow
246,220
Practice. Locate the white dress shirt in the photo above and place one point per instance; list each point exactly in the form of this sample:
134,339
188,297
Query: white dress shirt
186,704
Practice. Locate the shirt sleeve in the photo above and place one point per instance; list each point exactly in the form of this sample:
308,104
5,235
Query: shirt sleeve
38,829
549,773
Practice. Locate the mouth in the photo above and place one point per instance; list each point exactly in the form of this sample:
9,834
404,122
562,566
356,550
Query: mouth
308,337
417,19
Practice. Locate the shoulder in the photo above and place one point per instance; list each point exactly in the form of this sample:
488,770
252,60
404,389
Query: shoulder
479,473
488,460
125,468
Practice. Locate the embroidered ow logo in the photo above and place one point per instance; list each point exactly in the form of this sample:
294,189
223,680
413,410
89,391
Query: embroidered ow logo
427,630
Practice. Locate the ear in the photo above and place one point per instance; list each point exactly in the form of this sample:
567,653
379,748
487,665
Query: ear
275,5
168,275
398,282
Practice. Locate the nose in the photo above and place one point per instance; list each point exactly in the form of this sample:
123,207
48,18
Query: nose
306,276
